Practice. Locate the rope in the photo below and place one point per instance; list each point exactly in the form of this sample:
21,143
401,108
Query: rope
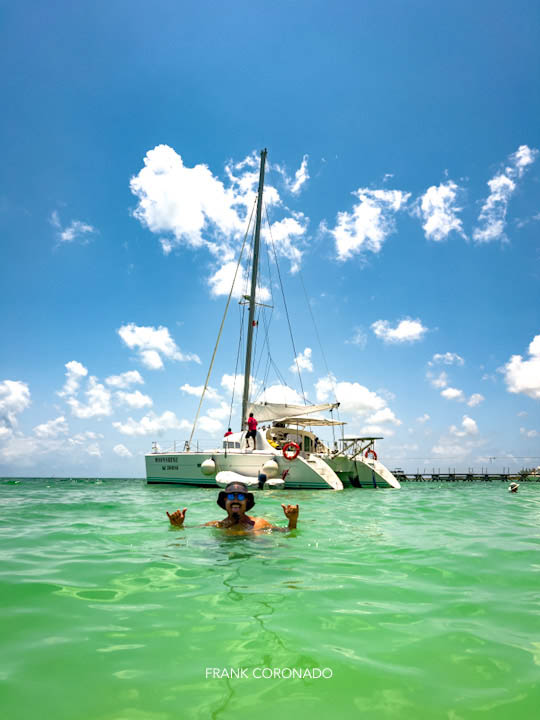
285,304
240,338
329,375
267,320
242,314
220,331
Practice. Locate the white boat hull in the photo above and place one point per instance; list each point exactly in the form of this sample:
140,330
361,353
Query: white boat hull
310,472
184,468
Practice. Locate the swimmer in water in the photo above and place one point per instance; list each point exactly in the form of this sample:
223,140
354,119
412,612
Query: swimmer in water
236,500
513,487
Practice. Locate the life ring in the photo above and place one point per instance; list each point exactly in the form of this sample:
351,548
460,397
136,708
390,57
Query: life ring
371,453
286,448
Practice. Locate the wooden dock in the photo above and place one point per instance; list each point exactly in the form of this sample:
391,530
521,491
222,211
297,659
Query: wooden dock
464,477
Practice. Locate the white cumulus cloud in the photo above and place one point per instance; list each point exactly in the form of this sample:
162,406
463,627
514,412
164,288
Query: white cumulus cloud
76,230
209,424
406,330
423,418
492,218
134,399
191,206
382,417
124,380
14,398
122,450
235,383
285,236
152,344
152,424
99,401
451,393
301,176
438,209
370,222
355,399
185,202
468,427
222,280
523,376
196,391
302,362
475,399
279,393
358,337
52,428
75,372
529,433
447,358
221,412
439,381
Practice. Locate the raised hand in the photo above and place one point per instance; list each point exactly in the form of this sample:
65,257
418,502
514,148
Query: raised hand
177,518
291,513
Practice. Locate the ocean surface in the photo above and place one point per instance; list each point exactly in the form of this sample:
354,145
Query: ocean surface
419,603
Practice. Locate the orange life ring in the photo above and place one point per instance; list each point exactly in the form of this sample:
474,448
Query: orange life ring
371,453
286,448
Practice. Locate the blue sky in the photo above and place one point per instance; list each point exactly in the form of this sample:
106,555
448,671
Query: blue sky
403,191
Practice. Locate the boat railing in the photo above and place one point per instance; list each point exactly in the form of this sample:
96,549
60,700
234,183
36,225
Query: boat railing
203,445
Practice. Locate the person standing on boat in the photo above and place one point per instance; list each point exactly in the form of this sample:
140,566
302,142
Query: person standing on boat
237,500
229,432
252,431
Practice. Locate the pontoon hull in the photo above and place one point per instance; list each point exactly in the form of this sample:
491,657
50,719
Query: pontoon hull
311,473
184,468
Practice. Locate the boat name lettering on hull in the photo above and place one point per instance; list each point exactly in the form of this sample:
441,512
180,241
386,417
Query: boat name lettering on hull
166,459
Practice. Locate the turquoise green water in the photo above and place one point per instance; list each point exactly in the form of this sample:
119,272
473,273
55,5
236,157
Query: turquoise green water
421,603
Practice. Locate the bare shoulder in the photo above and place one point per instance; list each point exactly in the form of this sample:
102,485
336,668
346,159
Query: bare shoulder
213,523
260,523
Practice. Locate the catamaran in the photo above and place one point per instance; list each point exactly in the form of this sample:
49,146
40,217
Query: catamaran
286,452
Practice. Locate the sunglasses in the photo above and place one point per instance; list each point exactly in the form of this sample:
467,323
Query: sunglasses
239,496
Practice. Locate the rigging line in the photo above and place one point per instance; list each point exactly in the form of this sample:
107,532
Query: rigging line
330,377
259,313
256,321
240,337
285,304
266,372
268,354
220,330
278,373
267,320
259,360
265,344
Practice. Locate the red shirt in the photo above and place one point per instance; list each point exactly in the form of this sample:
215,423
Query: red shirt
252,423
229,432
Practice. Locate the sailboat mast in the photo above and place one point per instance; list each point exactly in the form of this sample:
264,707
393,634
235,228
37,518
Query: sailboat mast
256,242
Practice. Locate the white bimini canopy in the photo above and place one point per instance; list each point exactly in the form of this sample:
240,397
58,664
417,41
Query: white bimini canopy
306,422
263,412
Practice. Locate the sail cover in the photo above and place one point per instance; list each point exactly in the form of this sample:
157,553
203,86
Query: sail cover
263,412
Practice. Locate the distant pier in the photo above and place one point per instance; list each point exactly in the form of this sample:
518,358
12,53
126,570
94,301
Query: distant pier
464,477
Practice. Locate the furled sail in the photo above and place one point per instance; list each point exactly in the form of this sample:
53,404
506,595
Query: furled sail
265,412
